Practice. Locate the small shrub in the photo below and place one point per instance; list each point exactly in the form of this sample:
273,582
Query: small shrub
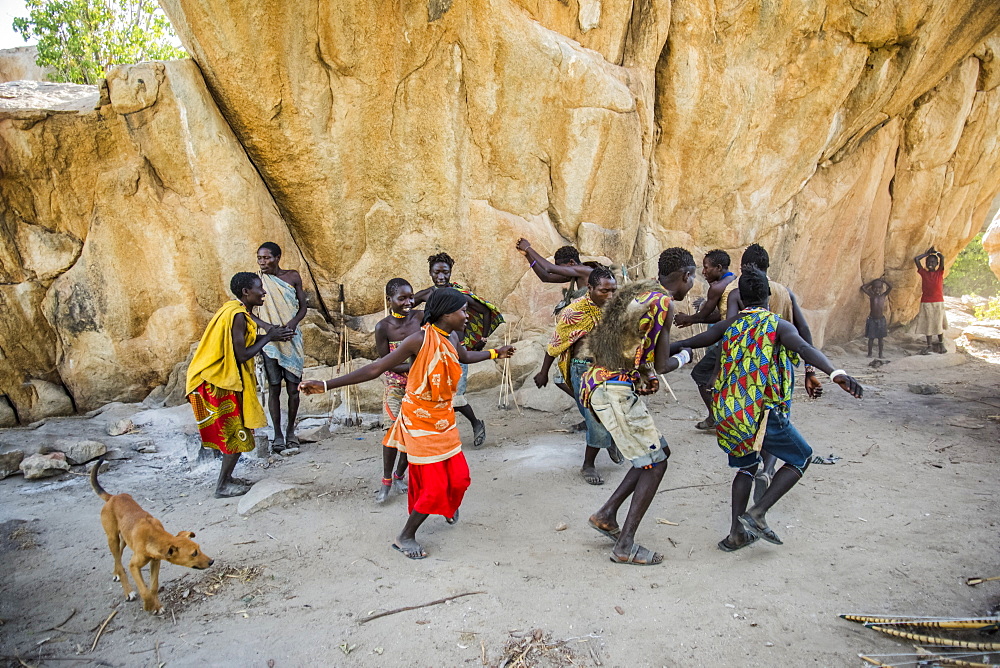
971,273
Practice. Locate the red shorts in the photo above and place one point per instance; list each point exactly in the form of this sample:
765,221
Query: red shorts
438,489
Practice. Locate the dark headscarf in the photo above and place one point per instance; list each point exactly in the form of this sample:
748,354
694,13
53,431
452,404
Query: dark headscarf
442,302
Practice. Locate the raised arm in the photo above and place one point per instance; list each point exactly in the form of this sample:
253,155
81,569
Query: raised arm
548,272
789,337
869,288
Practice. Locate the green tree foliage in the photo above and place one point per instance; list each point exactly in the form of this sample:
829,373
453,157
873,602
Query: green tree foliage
80,39
971,274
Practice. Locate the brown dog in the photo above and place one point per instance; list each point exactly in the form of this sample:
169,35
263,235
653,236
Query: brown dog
126,523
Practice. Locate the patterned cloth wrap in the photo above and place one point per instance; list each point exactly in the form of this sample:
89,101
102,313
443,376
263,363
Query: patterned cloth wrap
574,322
395,389
425,429
756,376
220,422
651,323
278,308
216,383
475,329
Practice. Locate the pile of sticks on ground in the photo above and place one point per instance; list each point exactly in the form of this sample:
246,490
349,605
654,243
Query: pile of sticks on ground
933,648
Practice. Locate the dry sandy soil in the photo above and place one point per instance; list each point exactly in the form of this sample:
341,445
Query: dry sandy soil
894,526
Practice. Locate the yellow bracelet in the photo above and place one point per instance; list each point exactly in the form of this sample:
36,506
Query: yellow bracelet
493,353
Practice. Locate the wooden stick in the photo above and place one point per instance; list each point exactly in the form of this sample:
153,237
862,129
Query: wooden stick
56,627
972,582
667,385
930,640
101,630
415,607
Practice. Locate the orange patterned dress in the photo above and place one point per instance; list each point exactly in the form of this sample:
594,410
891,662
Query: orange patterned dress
426,431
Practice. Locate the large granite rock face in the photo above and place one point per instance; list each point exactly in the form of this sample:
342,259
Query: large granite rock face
845,138
123,219
18,64
845,135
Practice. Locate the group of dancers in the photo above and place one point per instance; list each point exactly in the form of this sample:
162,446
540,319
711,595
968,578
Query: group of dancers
610,346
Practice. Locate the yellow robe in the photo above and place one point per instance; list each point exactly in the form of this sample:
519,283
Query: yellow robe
214,362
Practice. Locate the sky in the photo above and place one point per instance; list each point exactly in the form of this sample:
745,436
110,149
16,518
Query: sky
9,10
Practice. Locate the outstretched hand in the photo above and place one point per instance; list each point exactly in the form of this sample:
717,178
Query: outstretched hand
503,352
311,387
814,388
849,385
682,320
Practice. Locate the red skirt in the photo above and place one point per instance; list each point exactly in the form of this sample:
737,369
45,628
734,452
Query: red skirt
438,489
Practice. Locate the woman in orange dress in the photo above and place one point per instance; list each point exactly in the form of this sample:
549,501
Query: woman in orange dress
425,429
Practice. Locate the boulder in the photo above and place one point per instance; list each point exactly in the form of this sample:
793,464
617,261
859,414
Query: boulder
80,452
46,399
549,399
268,493
18,64
857,139
10,463
8,418
41,466
983,332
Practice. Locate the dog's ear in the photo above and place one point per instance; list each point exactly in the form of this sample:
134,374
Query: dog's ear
185,534
171,551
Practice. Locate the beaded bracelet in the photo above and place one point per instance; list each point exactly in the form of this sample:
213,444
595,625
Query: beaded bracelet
493,353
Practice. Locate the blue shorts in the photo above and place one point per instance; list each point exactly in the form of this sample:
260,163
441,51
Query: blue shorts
782,440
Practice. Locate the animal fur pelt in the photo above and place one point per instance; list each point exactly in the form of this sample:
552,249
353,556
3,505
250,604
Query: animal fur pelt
617,337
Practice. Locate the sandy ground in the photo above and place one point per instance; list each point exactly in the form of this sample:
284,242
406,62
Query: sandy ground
895,526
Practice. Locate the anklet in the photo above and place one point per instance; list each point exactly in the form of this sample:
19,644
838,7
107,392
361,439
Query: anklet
396,477
386,481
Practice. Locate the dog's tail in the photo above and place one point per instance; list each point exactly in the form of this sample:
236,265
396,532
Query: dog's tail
101,492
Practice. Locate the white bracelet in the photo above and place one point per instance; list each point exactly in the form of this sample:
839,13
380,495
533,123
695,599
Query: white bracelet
838,372
683,357
324,387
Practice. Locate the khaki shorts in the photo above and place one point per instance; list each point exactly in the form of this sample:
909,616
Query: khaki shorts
623,413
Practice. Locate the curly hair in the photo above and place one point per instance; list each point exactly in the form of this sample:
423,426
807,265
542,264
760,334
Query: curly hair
567,254
440,257
754,286
241,281
756,256
675,259
599,274
394,285
718,258
271,246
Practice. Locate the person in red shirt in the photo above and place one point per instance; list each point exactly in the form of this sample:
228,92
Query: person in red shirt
932,320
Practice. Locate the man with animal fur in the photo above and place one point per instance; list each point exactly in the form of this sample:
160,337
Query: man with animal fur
126,523
630,347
